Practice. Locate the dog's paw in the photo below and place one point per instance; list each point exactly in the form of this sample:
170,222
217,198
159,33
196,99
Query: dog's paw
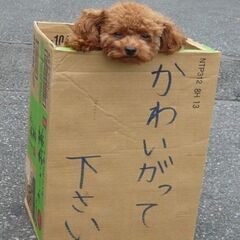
78,44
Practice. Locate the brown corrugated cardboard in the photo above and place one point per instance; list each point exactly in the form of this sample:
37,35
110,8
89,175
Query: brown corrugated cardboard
116,151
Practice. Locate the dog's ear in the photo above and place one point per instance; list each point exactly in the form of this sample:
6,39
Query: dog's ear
89,24
172,39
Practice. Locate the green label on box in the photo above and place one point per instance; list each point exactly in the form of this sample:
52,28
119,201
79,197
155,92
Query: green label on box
37,142
37,153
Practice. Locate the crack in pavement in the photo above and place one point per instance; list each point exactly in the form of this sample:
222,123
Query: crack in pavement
15,43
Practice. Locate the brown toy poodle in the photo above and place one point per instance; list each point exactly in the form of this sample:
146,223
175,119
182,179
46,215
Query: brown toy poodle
130,32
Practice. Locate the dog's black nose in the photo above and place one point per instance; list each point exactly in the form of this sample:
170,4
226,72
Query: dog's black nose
130,51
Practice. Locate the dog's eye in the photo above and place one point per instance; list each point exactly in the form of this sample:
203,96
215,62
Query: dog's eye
118,34
145,36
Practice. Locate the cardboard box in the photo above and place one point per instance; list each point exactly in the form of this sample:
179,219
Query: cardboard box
116,151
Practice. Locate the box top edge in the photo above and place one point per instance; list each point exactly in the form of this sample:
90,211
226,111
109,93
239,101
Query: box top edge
205,50
38,30
198,47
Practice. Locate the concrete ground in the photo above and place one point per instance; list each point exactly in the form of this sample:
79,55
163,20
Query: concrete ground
215,23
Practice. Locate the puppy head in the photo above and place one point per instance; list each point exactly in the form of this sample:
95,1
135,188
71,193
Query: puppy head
132,32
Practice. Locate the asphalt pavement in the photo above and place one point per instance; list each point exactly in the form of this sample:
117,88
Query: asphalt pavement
215,23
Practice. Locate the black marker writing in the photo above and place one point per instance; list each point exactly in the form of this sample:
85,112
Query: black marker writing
95,224
146,168
81,198
167,188
158,73
148,207
147,153
180,70
70,232
76,209
157,110
84,162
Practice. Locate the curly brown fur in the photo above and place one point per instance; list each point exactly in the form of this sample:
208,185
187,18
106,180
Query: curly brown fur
130,32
